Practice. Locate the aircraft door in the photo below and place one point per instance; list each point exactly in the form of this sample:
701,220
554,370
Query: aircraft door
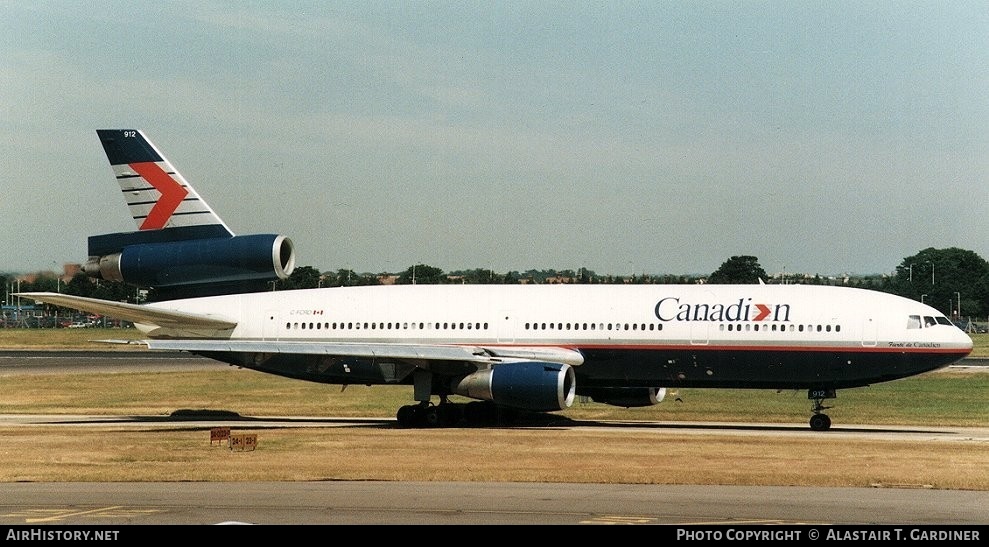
700,334
269,324
869,332
503,328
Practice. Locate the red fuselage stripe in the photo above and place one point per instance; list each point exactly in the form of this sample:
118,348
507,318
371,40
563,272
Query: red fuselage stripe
710,347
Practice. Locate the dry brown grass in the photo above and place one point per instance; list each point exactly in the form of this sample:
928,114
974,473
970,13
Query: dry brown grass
179,454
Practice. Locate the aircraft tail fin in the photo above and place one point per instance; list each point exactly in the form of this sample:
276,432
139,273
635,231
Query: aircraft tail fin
157,195
181,247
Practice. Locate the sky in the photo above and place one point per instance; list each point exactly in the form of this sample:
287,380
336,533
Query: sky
624,137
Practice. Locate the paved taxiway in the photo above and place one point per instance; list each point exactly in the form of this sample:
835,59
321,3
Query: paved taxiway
348,502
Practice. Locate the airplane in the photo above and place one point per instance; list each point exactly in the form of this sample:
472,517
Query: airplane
506,348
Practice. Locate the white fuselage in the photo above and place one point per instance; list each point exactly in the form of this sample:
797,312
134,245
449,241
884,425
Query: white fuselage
783,315
718,335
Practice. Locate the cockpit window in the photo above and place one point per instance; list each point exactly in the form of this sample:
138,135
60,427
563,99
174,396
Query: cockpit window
916,321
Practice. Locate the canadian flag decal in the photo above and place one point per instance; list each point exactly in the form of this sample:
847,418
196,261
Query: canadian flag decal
172,194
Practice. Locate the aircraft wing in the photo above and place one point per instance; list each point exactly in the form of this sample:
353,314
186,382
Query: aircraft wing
407,352
177,323
134,313
441,358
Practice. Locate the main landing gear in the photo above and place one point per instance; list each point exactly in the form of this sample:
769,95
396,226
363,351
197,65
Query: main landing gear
820,421
447,414
425,414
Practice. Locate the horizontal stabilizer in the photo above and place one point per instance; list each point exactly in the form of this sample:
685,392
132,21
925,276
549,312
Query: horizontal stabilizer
135,313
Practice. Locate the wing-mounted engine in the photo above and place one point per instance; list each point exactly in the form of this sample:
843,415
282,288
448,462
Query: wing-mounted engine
627,397
524,385
183,263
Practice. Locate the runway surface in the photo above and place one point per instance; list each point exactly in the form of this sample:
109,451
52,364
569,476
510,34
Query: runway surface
349,502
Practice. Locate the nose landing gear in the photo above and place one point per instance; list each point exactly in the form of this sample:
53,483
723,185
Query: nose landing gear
820,421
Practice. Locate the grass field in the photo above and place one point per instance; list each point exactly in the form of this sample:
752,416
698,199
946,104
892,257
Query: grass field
181,451
945,398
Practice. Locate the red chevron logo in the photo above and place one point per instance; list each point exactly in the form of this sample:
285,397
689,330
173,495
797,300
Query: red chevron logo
172,194
763,312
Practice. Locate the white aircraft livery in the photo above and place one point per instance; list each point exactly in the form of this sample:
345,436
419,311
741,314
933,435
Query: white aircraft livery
515,347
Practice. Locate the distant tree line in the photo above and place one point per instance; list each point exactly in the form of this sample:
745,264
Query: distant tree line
953,280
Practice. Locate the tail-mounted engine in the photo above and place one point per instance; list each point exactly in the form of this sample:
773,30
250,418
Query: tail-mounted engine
149,259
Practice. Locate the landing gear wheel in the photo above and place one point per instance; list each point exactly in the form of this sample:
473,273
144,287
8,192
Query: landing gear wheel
406,416
479,414
820,422
450,414
430,417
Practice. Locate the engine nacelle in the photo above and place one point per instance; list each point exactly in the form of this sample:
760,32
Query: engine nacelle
525,385
166,264
627,397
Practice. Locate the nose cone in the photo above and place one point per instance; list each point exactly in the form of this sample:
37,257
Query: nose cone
965,342
947,346
954,342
